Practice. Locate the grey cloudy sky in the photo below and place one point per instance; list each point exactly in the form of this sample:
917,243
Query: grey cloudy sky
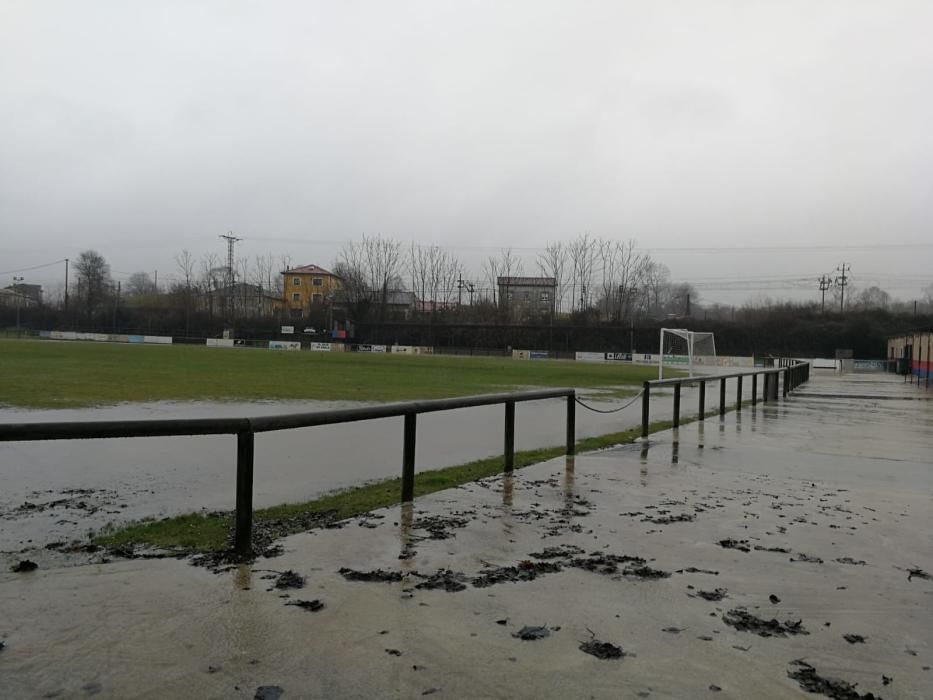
142,128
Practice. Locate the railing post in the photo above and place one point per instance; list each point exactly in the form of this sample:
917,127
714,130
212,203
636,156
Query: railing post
509,436
645,416
243,528
722,396
408,458
784,387
572,423
754,389
738,393
677,405
702,405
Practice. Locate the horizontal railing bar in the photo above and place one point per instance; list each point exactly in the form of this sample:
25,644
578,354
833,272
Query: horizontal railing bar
709,377
86,430
349,415
82,430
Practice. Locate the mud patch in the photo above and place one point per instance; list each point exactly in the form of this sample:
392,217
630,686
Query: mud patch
446,579
23,566
645,572
559,552
374,576
713,596
309,605
809,558
854,638
530,634
268,692
740,545
694,570
601,650
525,571
744,621
851,561
439,527
289,579
606,564
669,519
809,680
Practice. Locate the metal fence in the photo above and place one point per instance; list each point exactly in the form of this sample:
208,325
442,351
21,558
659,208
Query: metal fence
794,374
246,428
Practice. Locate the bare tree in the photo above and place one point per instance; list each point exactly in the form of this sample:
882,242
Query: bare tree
185,262
93,279
492,271
444,269
140,284
631,268
582,253
419,270
370,269
657,287
552,263
212,277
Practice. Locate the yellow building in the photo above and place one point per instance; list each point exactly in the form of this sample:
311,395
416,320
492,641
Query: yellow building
308,288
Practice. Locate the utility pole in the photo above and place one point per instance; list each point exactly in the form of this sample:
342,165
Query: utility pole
19,299
841,282
116,303
66,290
825,283
688,304
470,288
228,283
460,289
156,282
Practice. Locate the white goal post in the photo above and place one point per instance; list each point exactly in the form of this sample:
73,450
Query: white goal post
685,349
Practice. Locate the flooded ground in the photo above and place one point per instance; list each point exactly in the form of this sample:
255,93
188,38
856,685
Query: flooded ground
52,491
776,553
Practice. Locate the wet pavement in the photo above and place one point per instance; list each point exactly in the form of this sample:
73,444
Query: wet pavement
780,552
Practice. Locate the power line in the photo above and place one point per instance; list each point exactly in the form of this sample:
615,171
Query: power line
34,267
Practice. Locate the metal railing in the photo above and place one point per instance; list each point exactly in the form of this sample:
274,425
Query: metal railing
246,428
794,374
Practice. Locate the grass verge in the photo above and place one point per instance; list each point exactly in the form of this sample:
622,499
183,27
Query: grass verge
199,533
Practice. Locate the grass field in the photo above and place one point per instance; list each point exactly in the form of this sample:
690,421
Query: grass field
48,374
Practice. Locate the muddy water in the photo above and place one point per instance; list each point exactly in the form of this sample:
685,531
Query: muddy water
61,489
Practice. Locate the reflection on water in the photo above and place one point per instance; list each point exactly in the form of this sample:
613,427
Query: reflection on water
508,489
406,539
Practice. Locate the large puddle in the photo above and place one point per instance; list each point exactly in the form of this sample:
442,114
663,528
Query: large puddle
60,489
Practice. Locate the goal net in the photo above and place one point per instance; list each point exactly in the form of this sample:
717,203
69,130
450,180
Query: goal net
685,350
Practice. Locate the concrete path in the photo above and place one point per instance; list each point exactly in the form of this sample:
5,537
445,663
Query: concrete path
728,560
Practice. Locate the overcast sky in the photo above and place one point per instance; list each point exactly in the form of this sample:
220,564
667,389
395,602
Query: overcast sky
142,128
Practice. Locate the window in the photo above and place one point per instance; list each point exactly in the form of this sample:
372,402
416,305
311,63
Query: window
296,296
317,298
317,282
545,297
296,314
527,296
296,281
